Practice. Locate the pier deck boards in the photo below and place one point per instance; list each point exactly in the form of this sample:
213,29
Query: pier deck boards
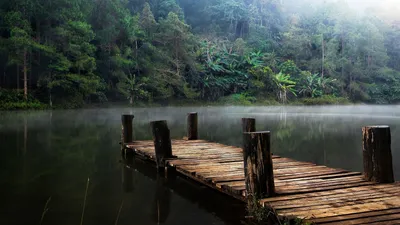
317,193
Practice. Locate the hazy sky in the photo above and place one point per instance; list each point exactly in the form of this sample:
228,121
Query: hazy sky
387,4
389,9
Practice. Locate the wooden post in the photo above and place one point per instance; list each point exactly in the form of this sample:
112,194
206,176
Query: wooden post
377,154
162,142
192,123
258,169
127,129
249,125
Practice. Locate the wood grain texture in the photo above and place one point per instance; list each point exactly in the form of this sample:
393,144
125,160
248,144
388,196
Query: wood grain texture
248,125
377,154
259,175
162,142
127,128
313,192
192,126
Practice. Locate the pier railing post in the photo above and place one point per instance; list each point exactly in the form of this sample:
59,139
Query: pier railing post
377,154
258,168
127,129
248,125
162,142
192,124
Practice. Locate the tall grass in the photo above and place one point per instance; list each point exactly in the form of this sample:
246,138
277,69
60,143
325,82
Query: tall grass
84,201
119,212
45,210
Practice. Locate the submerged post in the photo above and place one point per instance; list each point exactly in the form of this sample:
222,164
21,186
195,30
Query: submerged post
249,125
258,168
162,142
192,123
127,129
377,154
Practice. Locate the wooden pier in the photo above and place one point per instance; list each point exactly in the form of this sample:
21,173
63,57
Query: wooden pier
304,190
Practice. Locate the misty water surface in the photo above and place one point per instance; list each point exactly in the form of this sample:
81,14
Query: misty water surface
52,154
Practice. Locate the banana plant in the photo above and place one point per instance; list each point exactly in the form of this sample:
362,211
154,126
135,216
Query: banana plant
284,85
315,85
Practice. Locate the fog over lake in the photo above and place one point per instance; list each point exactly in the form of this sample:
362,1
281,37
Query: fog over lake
53,153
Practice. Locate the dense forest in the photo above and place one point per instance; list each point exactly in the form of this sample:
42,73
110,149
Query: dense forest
68,53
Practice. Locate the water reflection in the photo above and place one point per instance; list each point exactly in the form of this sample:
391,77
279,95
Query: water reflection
52,154
127,177
161,202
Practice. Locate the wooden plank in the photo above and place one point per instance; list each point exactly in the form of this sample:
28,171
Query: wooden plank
361,218
333,198
333,203
324,195
336,211
328,193
393,222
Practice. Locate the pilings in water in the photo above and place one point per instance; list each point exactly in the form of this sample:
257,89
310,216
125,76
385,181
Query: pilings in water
127,132
192,124
257,157
249,172
377,154
127,128
162,142
248,124
258,168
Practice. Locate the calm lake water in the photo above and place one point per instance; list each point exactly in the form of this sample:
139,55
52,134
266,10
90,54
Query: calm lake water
49,156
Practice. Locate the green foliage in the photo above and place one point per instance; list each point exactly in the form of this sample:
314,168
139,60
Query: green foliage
313,85
238,99
325,100
14,100
75,52
285,85
290,68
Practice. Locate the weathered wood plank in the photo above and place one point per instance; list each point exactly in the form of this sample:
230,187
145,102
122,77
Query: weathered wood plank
321,194
361,218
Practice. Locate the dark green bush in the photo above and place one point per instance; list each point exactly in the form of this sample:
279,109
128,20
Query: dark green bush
238,99
325,100
14,100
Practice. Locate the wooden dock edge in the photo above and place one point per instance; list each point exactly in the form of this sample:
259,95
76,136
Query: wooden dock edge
239,196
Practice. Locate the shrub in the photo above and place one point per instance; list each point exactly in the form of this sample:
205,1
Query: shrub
238,99
14,100
325,100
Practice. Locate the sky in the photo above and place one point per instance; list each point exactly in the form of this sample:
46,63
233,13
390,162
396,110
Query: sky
387,9
363,4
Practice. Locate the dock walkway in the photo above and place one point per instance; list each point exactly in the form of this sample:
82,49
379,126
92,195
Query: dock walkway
304,190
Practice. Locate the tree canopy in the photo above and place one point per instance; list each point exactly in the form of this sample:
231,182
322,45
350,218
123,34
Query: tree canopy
69,53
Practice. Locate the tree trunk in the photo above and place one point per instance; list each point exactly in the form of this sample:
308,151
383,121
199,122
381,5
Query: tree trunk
50,95
25,75
137,61
323,58
18,77
342,53
30,69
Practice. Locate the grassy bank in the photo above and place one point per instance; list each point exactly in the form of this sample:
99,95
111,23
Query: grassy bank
14,100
